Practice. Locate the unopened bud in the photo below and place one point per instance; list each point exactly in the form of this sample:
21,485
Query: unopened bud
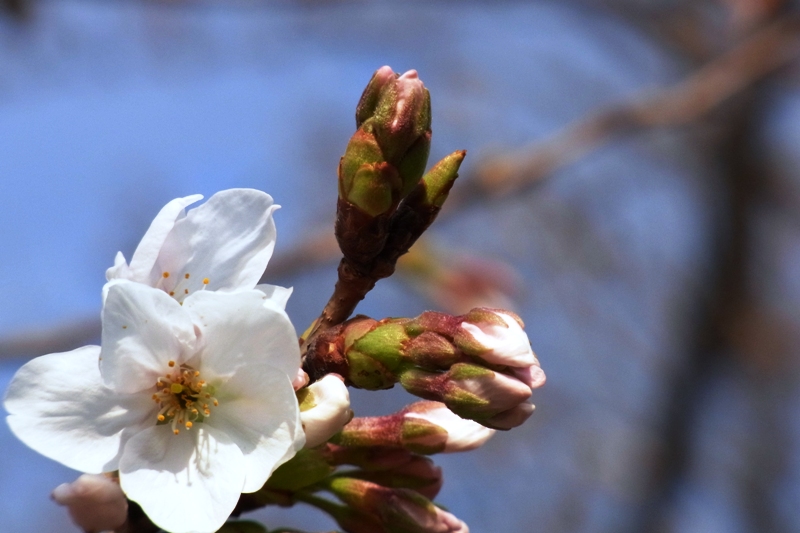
496,337
324,409
372,93
402,115
366,458
512,418
469,390
438,181
397,510
462,434
95,502
394,431
419,474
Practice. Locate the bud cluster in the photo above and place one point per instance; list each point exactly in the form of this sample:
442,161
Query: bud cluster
480,365
383,165
375,468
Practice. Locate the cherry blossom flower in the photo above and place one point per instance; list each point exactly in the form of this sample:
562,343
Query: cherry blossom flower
192,402
223,245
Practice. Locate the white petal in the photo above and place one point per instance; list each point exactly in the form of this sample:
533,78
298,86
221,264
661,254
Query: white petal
462,434
143,329
330,410
276,294
227,241
242,328
147,253
258,410
507,345
120,270
58,406
184,483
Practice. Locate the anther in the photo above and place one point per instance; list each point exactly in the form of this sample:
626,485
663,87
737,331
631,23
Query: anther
186,275
188,425
205,281
185,291
161,418
171,363
165,274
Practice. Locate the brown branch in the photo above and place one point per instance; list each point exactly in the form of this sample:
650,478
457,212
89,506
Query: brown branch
765,51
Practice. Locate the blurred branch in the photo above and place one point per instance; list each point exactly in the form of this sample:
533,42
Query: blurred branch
61,338
765,51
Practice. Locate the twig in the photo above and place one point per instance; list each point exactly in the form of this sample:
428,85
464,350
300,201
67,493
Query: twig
765,51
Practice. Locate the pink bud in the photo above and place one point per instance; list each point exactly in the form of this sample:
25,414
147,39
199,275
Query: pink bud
532,376
502,392
430,519
503,342
462,434
95,502
511,418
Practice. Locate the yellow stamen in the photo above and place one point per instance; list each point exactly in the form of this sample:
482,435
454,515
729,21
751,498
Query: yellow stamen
186,275
165,274
205,281
171,364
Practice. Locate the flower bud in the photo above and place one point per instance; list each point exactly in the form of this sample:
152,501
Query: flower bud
324,409
366,458
462,435
95,502
397,510
372,93
401,116
496,337
419,474
469,390
393,431
511,418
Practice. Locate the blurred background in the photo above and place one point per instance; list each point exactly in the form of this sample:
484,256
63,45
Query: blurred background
631,189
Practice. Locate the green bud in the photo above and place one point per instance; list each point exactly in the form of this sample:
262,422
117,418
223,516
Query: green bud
421,436
385,344
362,150
412,166
432,351
368,373
372,93
374,188
306,468
439,180
357,327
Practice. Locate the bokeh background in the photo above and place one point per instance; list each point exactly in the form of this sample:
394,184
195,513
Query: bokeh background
631,190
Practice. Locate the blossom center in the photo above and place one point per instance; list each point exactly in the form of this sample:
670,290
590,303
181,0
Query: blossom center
184,398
